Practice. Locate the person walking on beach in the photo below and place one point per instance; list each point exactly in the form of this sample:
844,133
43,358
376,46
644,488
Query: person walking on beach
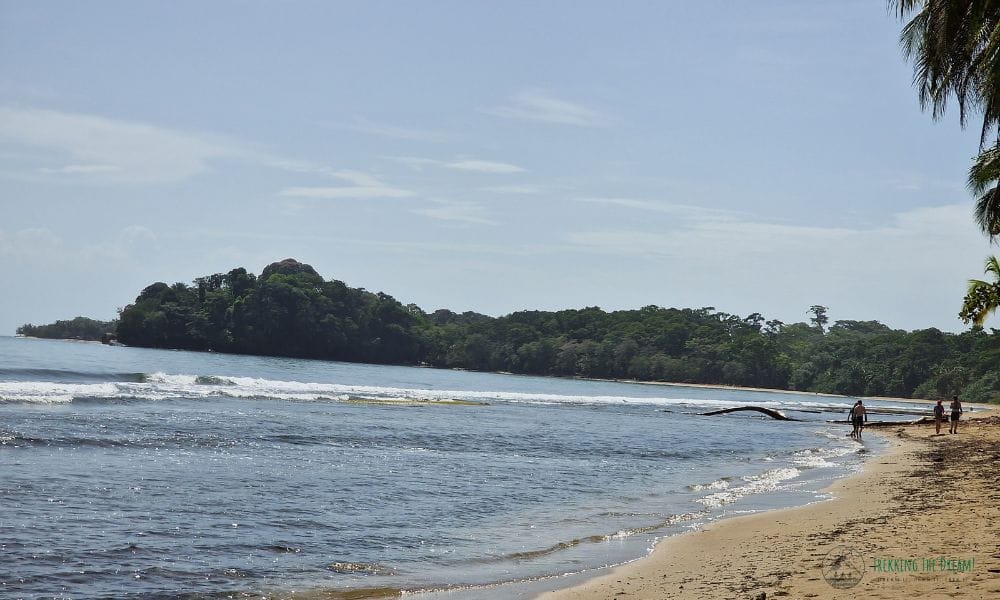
850,419
857,417
860,415
956,411
938,416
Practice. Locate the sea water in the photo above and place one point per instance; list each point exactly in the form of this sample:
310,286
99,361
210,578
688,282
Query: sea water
128,472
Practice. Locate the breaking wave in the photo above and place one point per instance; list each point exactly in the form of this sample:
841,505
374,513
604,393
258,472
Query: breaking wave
55,387
768,481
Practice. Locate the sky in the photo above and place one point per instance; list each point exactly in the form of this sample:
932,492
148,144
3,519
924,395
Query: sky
487,156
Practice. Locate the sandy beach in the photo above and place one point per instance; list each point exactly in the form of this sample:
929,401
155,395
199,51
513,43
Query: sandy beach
922,520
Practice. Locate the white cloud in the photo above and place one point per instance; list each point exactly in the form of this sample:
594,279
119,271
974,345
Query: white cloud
82,169
415,162
483,166
464,212
27,245
513,189
913,266
87,148
534,105
95,147
42,248
363,125
291,165
362,185
464,164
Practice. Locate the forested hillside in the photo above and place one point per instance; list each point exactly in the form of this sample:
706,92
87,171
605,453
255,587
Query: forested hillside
290,310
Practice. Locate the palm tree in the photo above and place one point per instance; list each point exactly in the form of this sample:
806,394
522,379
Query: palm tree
983,297
955,49
983,178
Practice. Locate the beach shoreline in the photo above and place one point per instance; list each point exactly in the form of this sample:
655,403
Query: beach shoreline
705,386
720,386
922,519
891,443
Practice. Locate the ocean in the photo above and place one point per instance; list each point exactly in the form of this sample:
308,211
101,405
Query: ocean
128,472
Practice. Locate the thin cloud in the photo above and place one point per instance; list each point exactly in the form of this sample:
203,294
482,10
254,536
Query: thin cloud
363,125
81,169
466,164
484,166
533,105
41,247
788,267
415,162
464,212
105,149
926,232
88,148
513,189
363,185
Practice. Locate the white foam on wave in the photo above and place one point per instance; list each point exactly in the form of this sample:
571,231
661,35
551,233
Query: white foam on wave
718,484
812,458
158,386
169,379
265,388
768,481
43,392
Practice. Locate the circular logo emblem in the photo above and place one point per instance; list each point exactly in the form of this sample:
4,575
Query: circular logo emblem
843,567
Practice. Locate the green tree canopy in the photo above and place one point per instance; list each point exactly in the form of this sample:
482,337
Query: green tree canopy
290,310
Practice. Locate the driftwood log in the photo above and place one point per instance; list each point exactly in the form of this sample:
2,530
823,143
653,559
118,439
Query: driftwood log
774,414
780,416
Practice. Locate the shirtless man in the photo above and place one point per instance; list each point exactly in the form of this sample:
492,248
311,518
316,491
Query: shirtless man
860,415
956,411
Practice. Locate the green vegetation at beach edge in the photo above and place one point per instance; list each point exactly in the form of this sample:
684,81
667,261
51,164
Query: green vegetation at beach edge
290,310
80,328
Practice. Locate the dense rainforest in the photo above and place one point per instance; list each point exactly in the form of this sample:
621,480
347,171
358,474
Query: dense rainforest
290,310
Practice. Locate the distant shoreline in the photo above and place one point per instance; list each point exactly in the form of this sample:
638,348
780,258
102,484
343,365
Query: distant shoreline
722,386
717,386
706,386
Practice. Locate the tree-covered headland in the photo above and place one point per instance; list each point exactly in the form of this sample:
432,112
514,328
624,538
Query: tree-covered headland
290,310
80,328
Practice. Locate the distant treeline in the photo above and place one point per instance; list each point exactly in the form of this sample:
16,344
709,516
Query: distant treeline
291,311
80,328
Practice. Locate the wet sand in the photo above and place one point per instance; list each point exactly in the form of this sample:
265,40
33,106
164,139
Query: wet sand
922,520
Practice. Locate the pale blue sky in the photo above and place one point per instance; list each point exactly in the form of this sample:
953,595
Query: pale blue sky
754,157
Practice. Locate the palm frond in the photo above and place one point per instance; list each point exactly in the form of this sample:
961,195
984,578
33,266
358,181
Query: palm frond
955,49
987,212
993,266
985,171
982,298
